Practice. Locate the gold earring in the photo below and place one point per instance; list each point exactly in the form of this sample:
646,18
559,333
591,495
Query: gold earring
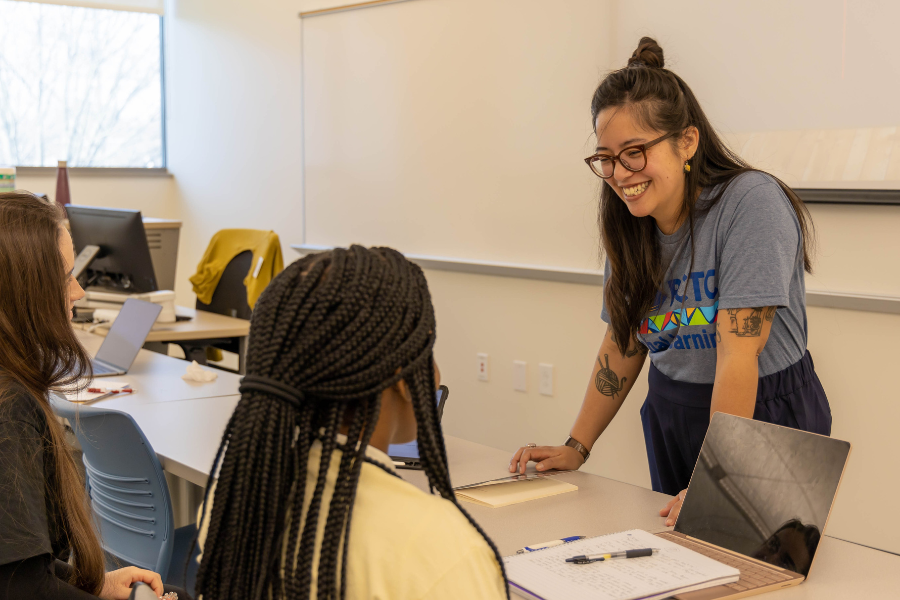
687,167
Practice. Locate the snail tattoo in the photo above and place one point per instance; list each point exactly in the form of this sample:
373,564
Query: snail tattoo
608,382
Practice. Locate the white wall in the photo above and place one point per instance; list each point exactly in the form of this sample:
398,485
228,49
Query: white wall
234,125
463,114
768,64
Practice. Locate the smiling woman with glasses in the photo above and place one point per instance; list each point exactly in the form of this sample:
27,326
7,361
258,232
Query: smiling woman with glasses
705,260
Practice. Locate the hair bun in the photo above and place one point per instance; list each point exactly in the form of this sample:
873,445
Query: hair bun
647,54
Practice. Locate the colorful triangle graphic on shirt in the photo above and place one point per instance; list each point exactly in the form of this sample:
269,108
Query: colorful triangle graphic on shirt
696,317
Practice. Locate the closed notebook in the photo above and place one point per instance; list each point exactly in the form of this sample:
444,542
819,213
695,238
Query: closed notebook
514,492
545,574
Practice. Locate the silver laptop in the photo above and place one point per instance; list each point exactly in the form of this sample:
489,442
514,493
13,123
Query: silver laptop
758,500
125,338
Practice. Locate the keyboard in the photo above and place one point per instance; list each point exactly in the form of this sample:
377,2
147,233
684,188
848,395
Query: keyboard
753,575
100,369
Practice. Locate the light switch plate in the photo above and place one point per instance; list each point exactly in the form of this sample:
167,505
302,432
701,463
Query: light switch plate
520,375
545,382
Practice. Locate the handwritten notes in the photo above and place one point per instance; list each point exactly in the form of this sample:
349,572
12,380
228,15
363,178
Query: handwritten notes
546,574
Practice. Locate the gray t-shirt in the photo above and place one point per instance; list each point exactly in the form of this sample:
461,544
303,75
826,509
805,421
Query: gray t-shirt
748,253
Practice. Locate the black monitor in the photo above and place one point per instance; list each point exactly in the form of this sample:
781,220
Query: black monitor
123,263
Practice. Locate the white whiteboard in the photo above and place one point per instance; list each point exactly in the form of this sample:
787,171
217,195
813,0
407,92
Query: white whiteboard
455,128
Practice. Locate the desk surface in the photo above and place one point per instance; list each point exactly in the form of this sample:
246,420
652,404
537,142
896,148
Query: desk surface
184,423
203,325
157,379
600,506
183,420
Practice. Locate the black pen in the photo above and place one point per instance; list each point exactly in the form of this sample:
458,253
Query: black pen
583,559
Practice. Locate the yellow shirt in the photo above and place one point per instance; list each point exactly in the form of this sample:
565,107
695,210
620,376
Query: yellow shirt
404,543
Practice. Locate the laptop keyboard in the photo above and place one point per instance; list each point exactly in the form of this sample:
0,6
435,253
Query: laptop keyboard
99,369
752,574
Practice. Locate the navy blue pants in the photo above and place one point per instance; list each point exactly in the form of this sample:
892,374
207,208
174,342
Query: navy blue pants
675,417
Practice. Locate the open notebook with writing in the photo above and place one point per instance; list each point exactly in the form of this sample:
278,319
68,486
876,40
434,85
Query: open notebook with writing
545,574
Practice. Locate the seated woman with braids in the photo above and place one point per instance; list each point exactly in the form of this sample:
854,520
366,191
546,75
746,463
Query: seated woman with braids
307,503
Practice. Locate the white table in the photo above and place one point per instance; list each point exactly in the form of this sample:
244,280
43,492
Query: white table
841,570
184,422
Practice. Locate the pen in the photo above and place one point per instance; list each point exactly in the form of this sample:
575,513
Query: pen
585,559
104,395
564,540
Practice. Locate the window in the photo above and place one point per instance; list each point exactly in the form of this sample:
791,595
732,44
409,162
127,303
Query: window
80,84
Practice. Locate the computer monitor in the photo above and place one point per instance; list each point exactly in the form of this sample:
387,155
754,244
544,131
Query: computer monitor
123,263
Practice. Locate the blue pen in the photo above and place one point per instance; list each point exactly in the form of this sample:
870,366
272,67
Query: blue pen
534,547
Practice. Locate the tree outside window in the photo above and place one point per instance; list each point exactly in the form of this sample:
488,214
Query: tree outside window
80,84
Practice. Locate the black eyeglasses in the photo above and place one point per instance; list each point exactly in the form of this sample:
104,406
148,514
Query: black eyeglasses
633,158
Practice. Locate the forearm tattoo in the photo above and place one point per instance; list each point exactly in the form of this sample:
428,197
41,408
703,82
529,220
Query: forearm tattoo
607,381
746,322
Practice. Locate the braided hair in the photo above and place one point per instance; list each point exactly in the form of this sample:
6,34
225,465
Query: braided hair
327,336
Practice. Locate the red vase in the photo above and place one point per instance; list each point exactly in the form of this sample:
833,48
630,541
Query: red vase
63,197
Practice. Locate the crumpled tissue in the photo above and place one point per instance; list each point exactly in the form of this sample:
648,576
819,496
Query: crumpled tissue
196,373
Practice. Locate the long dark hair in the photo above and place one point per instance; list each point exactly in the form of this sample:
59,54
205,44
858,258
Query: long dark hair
660,100
327,336
39,352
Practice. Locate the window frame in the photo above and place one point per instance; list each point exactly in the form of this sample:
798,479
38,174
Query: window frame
163,171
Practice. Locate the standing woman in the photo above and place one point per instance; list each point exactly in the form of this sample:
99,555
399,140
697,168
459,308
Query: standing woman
44,515
705,261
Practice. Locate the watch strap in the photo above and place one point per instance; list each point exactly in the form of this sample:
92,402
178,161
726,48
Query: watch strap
573,443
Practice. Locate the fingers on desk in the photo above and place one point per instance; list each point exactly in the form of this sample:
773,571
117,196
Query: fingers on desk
525,455
673,508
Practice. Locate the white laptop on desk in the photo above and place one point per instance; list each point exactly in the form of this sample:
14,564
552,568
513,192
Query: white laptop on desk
125,338
758,500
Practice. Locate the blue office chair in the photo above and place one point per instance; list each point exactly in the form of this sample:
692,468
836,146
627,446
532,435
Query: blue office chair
126,485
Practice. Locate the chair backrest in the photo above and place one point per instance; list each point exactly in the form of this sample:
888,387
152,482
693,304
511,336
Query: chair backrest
230,297
126,484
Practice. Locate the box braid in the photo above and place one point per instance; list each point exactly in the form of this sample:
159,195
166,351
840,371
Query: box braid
327,336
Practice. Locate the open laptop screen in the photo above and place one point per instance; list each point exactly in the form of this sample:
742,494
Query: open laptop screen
763,491
128,332
409,452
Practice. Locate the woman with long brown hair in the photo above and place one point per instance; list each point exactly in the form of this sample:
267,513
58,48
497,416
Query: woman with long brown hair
705,261
44,515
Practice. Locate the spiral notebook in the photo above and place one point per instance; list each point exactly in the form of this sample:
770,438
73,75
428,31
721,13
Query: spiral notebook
545,574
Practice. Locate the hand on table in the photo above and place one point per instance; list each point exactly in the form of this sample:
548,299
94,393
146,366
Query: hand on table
118,583
672,509
561,458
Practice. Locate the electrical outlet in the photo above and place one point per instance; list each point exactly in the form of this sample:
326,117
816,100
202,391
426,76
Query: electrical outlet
545,386
481,365
520,375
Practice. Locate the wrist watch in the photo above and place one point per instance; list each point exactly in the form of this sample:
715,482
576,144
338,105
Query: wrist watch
573,443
